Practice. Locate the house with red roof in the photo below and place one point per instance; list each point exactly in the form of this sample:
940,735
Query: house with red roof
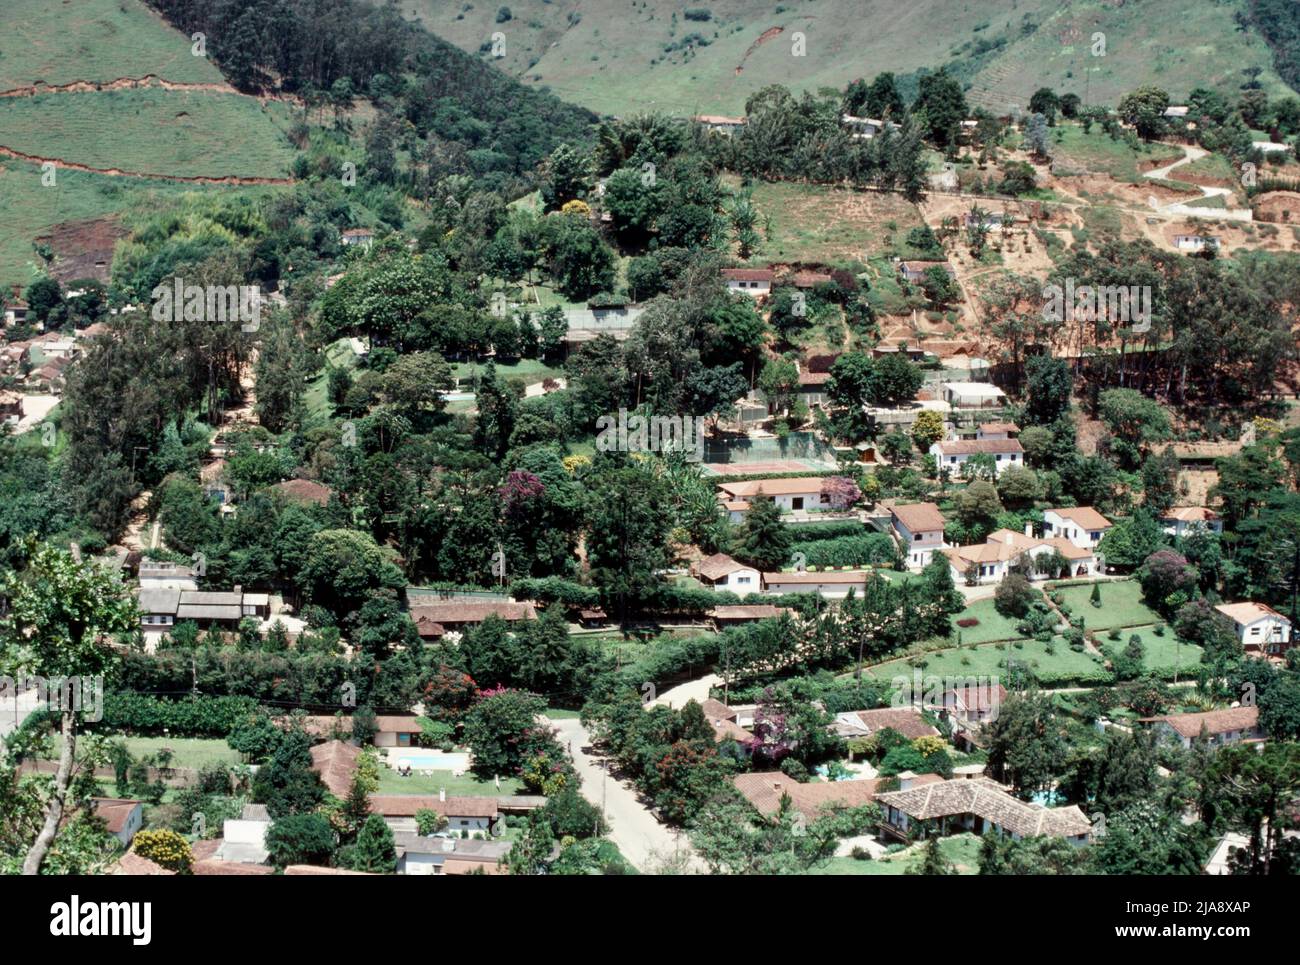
1260,628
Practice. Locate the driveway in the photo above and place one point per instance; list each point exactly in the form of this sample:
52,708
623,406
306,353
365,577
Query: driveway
696,690
14,710
640,837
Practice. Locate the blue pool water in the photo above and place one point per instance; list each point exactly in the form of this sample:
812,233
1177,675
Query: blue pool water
427,760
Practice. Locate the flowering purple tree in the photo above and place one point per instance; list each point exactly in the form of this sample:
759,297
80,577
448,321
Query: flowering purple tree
771,729
841,492
520,489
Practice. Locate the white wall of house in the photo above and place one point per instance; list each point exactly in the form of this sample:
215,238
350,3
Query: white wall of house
831,591
1266,632
134,821
1182,527
420,864
920,547
1055,525
238,831
754,288
955,463
1214,740
996,571
741,582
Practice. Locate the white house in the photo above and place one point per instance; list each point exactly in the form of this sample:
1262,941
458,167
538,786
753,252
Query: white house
1184,519
434,855
919,527
719,122
468,814
997,430
1218,726
1196,243
721,572
973,395
975,804
953,454
749,281
914,271
362,237
1081,525
122,817
802,494
993,559
1260,628
832,584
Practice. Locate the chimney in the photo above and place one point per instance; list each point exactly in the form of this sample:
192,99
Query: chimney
905,780
1029,530
239,588
442,794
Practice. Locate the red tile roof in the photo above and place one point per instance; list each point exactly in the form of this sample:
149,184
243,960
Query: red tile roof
405,805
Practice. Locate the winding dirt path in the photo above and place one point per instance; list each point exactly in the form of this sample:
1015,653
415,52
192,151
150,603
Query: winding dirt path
229,179
121,83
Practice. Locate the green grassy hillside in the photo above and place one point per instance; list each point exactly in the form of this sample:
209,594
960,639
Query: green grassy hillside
620,56
149,131
56,42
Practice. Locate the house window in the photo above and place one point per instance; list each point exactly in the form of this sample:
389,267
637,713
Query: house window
744,579
917,537
796,502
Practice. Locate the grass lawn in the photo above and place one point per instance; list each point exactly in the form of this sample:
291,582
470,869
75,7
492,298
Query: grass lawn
528,371
1121,605
992,626
189,752
961,850
1162,653
467,785
1061,668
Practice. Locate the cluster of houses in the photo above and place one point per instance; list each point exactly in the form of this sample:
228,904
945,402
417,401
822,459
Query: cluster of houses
758,282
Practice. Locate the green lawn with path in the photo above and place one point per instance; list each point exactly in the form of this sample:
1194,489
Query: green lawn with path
1121,604
1160,654
992,626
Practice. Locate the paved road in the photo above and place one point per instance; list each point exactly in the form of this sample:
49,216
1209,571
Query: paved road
679,696
640,837
14,710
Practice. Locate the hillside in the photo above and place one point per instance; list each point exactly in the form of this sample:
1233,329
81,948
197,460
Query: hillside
633,55
112,96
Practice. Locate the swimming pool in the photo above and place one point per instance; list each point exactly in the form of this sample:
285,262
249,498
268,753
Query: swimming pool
420,759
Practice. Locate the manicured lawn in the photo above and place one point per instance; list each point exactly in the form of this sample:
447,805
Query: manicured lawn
1062,667
390,782
191,752
961,850
1159,653
1121,605
992,625
529,370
